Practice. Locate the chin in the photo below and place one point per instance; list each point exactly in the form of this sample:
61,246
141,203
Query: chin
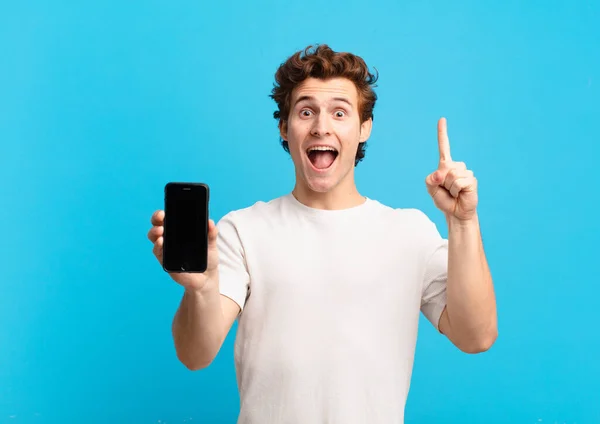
320,180
324,182
320,184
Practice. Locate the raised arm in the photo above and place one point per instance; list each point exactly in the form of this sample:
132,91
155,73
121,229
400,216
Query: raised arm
469,319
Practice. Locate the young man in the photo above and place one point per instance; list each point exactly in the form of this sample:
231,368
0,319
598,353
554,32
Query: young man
327,284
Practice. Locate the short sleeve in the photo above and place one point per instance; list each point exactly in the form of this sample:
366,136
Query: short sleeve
435,276
234,279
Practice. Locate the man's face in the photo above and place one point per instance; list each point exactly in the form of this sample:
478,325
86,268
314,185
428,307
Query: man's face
323,132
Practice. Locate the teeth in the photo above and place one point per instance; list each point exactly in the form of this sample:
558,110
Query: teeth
322,149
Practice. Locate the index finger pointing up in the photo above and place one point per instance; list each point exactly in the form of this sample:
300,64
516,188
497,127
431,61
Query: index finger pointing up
443,141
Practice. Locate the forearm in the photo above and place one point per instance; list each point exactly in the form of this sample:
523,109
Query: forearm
198,327
471,305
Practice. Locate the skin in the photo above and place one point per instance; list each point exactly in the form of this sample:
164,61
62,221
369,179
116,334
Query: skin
327,113
204,316
470,318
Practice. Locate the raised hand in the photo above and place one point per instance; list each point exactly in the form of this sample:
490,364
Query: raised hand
190,281
452,186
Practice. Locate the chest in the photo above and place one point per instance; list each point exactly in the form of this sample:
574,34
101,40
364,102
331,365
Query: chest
351,270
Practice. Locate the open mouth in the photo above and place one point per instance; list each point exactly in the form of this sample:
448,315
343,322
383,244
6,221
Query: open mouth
322,157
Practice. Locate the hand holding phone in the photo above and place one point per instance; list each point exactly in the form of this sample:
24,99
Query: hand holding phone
183,236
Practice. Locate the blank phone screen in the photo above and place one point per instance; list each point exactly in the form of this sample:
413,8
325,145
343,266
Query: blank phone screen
186,225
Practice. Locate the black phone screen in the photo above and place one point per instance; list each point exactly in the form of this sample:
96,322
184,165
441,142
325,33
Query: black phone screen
185,247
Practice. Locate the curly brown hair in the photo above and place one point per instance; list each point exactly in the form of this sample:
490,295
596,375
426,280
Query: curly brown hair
322,62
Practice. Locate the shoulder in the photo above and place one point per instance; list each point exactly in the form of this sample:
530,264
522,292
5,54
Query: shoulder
259,210
240,226
410,224
402,215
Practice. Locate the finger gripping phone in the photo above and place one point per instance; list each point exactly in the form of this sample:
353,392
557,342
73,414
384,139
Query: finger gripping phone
185,237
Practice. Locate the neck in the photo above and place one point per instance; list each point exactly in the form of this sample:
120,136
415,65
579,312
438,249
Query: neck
338,198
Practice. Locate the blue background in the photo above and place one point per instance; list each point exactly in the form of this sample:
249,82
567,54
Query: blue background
102,103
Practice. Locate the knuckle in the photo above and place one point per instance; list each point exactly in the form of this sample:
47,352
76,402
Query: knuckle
452,174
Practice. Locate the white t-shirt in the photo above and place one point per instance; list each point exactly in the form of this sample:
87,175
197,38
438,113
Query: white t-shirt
330,308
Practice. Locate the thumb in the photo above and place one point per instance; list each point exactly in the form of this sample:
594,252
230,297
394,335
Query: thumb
213,232
213,249
432,182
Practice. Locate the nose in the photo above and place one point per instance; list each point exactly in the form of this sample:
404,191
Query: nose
320,127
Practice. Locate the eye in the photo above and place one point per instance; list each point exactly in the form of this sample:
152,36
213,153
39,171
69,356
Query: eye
305,112
340,114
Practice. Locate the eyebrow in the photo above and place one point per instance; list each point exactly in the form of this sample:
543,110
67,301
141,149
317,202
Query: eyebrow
310,98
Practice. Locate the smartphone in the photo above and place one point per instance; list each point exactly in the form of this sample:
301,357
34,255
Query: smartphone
185,237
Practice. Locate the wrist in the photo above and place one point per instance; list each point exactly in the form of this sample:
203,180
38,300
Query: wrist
208,288
459,224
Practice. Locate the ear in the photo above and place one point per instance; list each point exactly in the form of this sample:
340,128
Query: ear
283,129
365,130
